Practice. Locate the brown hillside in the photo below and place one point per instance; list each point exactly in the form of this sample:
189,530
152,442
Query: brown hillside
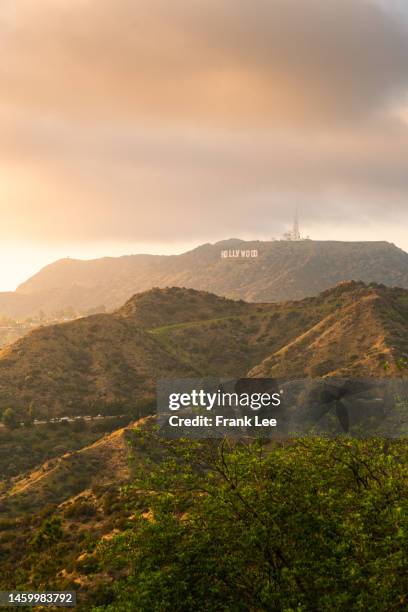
365,336
172,305
110,362
68,368
104,462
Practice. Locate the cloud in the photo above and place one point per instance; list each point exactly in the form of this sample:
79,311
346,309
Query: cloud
215,60
203,118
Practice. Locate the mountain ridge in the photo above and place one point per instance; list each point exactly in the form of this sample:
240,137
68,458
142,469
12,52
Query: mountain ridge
283,270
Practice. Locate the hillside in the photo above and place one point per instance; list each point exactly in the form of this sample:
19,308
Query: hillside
83,366
351,329
282,271
104,363
110,362
366,335
68,526
66,504
171,306
59,514
104,462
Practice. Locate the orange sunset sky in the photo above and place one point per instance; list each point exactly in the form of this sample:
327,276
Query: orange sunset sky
155,125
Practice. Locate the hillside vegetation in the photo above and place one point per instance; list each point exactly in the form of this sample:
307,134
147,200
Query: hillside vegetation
314,525
110,362
127,518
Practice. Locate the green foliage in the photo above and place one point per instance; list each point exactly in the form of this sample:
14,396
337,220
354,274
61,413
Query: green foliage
317,525
10,419
402,363
48,534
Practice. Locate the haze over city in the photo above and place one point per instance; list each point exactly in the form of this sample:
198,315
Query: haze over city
155,126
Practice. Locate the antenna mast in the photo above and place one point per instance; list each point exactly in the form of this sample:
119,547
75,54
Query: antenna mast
296,232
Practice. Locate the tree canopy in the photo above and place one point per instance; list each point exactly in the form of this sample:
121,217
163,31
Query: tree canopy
311,525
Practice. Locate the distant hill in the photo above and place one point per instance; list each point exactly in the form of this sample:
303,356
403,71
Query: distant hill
109,362
282,271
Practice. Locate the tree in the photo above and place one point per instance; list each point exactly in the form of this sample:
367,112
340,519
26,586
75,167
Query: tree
10,419
48,534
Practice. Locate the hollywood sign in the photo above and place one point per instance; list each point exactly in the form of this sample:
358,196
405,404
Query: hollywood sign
238,253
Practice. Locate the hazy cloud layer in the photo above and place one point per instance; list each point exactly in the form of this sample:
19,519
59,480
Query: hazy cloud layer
157,120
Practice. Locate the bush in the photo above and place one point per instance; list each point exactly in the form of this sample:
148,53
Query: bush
10,419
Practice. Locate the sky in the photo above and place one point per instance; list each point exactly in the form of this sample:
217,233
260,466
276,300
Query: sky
154,126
